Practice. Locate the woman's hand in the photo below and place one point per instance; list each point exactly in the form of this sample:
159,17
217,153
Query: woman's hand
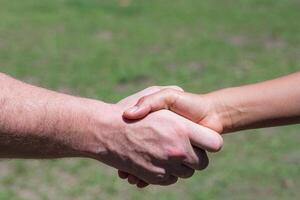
266,104
197,108
190,106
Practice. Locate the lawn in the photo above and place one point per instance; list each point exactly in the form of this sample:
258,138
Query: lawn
109,49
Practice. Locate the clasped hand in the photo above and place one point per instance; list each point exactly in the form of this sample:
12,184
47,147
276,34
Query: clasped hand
170,145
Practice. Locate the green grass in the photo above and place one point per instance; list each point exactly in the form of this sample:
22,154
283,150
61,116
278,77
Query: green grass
108,50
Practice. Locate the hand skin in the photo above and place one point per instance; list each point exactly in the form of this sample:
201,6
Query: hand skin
38,123
270,103
266,104
200,140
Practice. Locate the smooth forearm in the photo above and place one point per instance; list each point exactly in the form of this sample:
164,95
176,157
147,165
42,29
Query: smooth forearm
38,123
270,103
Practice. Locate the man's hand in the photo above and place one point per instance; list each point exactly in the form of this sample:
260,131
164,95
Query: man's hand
38,123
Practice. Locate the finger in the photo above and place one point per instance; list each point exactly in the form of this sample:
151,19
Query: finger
132,100
123,175
204,138
171,180
163,99
142,184
198,160
133,180
156,175
182,171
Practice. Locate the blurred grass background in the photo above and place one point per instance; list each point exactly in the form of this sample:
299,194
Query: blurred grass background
109,49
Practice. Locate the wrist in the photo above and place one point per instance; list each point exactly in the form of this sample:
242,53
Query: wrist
225,109
84,125
104,121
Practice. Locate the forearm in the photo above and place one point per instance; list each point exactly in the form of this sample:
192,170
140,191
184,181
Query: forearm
270,103
38,123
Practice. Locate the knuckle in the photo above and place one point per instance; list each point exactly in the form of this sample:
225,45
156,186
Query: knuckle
177,88
169,91
181,133
176,152
165,156
171,96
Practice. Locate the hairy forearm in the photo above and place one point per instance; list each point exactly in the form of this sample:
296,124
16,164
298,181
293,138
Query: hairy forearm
38,123
270,103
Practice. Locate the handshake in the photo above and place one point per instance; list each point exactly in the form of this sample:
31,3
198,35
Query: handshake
163,135
153,137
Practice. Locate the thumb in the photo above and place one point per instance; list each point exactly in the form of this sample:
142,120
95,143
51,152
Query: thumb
163,99
137,112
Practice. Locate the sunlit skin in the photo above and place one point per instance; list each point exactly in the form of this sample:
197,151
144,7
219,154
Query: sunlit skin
266,104
159,149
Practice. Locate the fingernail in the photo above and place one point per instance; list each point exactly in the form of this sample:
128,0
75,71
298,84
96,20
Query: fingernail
133,109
